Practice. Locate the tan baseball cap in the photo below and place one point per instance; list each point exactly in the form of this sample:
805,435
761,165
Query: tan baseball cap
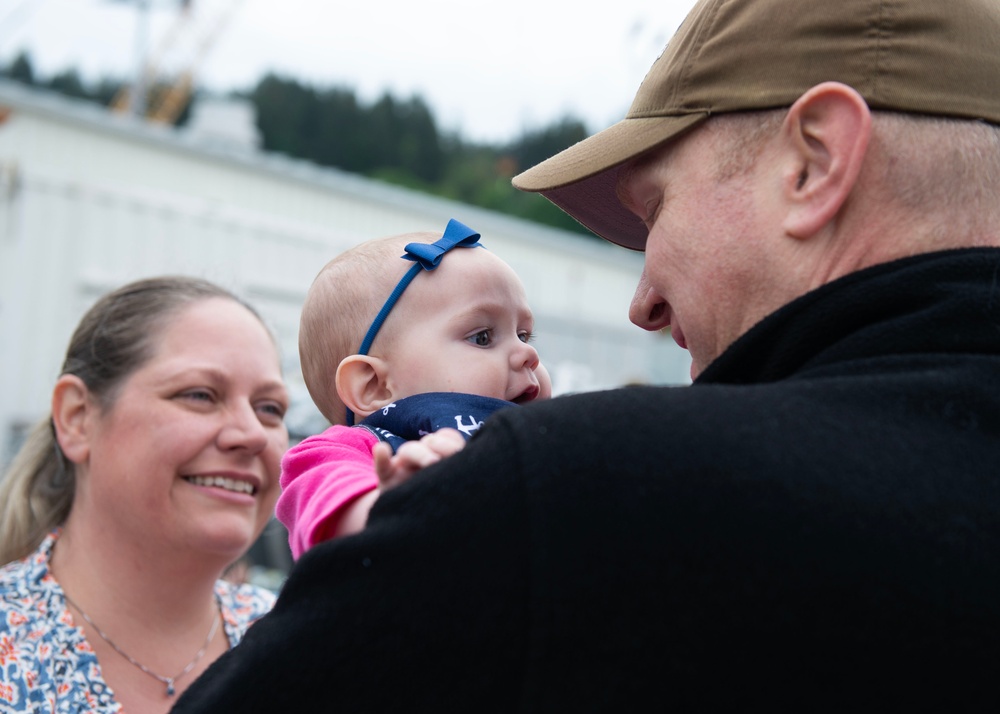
936,57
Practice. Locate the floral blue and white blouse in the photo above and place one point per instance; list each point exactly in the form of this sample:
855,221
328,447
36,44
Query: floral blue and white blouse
46,664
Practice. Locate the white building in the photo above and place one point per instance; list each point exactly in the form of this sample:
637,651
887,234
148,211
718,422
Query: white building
90,200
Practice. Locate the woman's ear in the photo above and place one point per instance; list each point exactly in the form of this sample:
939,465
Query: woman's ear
827,131
72,409
362,384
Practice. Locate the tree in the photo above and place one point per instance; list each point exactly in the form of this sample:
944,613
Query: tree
68,83
391,139
286,115
21,70
332,128
534,146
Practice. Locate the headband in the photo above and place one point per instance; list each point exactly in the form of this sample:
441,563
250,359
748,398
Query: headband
425,256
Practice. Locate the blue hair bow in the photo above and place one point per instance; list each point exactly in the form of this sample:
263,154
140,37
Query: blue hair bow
429,255
426,256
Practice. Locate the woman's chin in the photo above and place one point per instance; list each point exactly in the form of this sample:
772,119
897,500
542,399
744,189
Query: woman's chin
228,541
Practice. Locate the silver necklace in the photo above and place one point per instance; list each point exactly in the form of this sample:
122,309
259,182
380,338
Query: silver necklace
169,681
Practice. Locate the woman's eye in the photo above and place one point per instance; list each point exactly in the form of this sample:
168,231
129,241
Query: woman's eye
198,395
483,338
273,410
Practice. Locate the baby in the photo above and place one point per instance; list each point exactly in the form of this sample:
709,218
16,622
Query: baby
420,366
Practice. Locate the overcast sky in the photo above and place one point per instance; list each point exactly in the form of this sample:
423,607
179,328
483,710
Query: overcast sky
487,69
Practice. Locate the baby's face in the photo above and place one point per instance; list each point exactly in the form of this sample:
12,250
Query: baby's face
464,327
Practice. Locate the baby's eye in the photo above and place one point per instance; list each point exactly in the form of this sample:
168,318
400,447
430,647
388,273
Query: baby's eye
525,336
483,338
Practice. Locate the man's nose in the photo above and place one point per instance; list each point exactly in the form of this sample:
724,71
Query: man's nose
648,310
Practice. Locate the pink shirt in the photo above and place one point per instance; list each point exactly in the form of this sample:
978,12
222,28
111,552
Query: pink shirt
320,476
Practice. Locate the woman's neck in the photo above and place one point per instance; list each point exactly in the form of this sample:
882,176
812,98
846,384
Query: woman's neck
138,607
114,578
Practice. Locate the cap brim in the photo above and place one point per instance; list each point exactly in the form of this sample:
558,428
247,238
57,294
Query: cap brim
582,180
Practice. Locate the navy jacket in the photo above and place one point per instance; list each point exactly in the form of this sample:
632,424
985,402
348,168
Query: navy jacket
814,525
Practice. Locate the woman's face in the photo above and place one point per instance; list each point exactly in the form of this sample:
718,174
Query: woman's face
188,454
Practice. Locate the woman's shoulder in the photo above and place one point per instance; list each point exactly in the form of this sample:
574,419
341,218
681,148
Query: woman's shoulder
27,588
44,651
242,605
20,595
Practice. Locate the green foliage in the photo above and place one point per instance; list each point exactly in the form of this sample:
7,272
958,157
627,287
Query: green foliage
390,139
69,83
332,128
536,145
21,70
104,91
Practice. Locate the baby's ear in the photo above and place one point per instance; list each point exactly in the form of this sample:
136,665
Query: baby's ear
362,384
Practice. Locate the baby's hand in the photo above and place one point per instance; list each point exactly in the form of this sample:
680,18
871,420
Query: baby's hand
394,469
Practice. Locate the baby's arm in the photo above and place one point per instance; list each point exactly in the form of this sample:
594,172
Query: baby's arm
353,516
327,486
394,469
328,483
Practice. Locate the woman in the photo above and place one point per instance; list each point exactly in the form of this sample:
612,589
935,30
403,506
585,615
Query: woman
159,467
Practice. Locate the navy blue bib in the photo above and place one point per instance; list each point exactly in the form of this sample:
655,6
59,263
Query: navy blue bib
410,418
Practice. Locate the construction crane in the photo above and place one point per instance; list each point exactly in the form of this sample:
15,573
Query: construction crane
154,97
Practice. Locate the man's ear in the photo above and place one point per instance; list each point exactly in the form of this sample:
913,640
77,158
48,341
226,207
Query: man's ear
827,131
362,384
72,412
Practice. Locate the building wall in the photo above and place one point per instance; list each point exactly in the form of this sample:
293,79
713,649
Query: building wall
89,201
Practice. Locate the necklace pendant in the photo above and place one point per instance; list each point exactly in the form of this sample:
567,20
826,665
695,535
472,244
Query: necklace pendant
169,681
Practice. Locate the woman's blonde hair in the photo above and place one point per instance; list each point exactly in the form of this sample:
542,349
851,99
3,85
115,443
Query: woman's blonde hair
113,339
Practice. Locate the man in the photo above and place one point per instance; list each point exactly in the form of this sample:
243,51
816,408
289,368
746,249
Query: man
814,524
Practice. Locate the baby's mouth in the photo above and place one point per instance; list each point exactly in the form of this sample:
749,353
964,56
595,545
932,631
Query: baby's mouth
528,395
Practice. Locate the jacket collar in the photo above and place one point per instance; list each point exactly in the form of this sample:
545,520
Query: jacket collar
943,302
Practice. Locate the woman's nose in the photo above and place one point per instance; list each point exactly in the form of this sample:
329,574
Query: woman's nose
243,430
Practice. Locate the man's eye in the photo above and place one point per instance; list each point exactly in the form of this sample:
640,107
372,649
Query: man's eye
483,338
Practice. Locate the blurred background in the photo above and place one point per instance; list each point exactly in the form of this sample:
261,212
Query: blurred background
250,141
